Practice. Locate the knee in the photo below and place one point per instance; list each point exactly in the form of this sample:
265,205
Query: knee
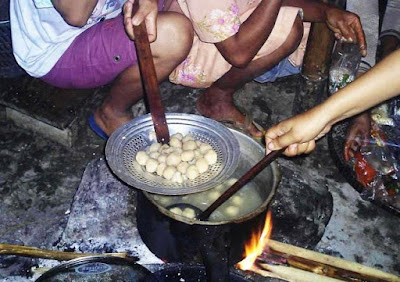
294,38
175,34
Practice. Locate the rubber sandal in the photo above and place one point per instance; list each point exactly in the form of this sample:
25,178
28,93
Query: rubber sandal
96,129
244,127
249,120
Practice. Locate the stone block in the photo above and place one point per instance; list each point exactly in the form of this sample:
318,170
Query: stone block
47,110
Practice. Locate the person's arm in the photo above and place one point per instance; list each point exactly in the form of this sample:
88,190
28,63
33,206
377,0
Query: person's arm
237,49
300,132
75,12
313,11
358,131
346,25
258,26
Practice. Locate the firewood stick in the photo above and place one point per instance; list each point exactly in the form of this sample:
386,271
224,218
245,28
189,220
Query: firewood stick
9,249
338,263
329,270
296,275
265,273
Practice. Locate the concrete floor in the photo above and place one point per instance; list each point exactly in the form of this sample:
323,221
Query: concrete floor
39,178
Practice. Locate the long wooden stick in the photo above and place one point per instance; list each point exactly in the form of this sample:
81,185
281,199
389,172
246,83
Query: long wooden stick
296,275
265,273
329,270
253,172
9,249
329,265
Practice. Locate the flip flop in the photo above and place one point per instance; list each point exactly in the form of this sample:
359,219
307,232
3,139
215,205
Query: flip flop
96,129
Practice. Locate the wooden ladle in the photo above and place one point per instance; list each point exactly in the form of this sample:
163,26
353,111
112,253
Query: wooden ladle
149,80
249,175
254,171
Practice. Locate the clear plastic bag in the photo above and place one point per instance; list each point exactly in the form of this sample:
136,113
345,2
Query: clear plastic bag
376,165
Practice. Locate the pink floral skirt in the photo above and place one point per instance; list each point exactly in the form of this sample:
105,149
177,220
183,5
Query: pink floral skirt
205,64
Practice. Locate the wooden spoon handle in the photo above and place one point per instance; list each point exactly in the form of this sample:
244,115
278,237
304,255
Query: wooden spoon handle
150,82
256,169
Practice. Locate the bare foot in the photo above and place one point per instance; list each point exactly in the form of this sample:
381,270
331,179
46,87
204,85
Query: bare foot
109,120
218,105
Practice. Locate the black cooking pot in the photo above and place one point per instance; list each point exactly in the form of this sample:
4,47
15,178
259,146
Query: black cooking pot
217,244
188,273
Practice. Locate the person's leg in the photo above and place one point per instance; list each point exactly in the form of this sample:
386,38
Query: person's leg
103,54
174,38
390,34
217,101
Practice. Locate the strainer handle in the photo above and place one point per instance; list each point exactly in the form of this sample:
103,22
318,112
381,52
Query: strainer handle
149,79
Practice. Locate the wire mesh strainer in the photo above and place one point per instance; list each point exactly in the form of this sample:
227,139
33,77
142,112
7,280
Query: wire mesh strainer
136,135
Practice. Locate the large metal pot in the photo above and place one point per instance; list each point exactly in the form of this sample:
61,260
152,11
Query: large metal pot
219,244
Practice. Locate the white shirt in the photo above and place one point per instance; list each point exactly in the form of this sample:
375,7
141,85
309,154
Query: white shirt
40,35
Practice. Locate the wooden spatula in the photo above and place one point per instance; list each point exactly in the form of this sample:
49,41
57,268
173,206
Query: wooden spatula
149,80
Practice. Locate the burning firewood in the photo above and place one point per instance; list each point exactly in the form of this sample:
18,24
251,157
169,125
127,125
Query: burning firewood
328,265
271,258
296,264
290,274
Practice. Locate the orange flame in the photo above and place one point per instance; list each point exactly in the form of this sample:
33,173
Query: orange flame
254,247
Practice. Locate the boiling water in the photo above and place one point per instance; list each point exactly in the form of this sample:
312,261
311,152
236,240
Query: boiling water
338,78
241,203
248,199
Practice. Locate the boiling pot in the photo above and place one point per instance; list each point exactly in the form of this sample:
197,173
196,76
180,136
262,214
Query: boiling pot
217,244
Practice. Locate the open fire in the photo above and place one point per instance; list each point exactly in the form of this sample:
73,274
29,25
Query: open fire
270,258
255,246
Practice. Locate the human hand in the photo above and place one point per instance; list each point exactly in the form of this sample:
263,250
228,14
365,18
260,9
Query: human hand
298,133
137,11
357,135
347,27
